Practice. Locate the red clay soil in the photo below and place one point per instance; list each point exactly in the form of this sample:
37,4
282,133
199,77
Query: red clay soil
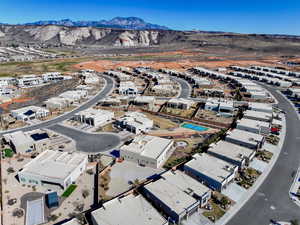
16,100
104,65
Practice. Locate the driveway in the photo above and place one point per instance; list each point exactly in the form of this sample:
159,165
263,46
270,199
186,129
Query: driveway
258,165
234,192
197,219
272,201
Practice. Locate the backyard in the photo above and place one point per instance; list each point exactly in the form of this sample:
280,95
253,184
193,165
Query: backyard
183,151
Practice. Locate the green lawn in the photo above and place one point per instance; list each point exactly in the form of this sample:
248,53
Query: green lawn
69,190
8,153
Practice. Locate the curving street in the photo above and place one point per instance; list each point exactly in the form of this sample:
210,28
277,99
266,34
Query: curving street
271,200
186,88
109,86
85,142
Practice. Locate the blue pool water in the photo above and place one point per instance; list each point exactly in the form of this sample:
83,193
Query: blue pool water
194,127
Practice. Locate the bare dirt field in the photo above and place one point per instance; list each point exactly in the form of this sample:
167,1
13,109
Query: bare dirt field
181,64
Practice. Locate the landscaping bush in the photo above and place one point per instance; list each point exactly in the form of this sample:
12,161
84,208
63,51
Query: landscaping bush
10,170
85,193
18,213
8,153
69,190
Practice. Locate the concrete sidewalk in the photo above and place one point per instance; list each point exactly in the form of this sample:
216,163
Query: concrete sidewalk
246,196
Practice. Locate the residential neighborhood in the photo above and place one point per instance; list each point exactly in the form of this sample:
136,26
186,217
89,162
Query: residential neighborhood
149,113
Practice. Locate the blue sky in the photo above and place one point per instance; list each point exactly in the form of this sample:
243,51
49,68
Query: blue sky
264,16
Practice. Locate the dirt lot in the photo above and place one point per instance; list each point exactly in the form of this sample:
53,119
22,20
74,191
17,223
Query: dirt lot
163,123
103,65
212,116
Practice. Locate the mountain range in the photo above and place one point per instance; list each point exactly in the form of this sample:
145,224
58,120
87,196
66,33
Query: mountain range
132,23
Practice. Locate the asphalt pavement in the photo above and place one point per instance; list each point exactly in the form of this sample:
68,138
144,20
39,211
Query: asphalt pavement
109,86
91,143
186,88
271,200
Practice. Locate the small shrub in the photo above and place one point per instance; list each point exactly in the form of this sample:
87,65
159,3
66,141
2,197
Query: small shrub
18,213
10,170
85,193
90,172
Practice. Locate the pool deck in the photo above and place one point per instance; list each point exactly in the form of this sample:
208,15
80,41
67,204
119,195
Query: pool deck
181,132
194,127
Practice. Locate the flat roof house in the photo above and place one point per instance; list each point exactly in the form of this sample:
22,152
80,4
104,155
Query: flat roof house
54,77
94,117
188,185
29,113
55,168
232,153
57,103
164,89
259,94
212,105
144,100
74,96
180,103
128,88
214,172
127,210
259,116
226,108
245,138
260,107
110,101
147,151
254,126
174,202
200,81
294,92
135,122
20,142
7,81
29,81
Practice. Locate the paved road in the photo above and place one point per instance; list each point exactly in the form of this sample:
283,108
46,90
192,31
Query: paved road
101,95
271,201
89,142
186,88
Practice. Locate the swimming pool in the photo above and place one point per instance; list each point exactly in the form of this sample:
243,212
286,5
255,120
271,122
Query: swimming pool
194,127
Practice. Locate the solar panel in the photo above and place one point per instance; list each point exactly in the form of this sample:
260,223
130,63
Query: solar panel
39,136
